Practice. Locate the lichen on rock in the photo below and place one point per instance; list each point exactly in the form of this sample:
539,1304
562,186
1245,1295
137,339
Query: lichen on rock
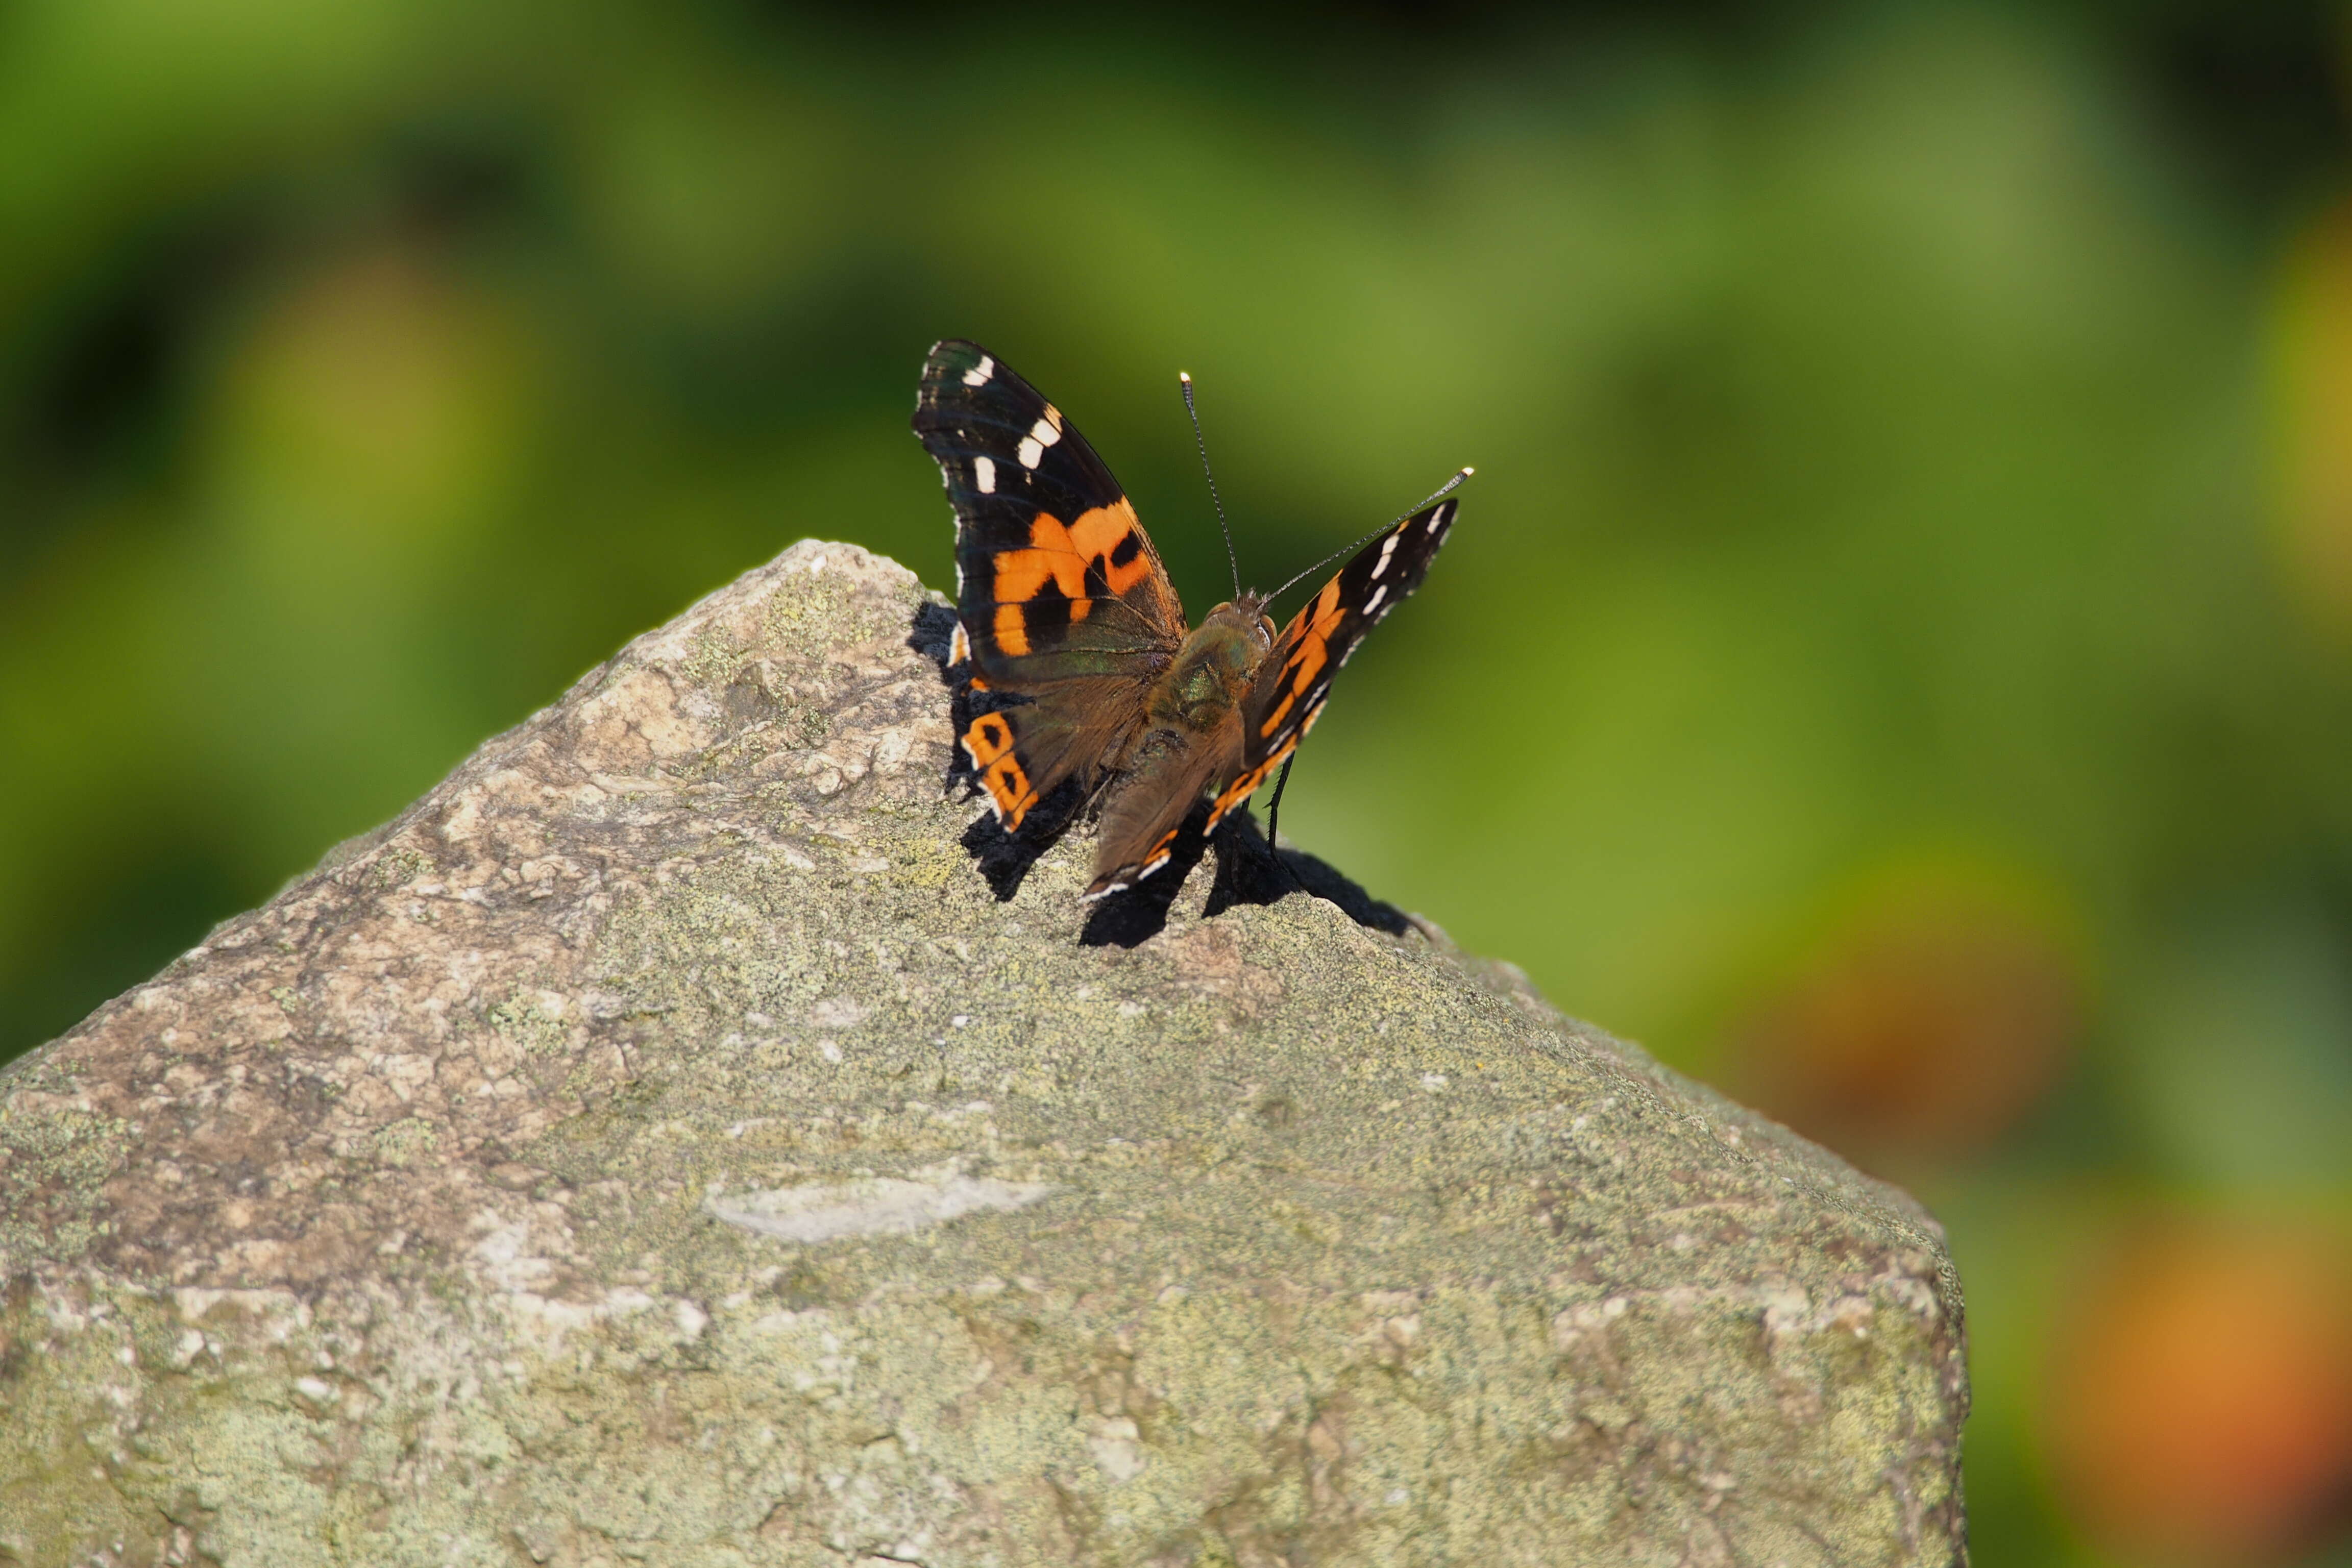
659,1144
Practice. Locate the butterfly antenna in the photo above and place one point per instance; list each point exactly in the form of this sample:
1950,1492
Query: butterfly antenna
1447,489
1198,440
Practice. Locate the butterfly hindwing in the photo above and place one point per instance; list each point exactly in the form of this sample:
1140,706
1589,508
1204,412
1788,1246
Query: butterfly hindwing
1055,578
1289,692
1016,751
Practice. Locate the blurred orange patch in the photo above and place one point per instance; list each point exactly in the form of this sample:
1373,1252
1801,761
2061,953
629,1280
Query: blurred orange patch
1923,1025
2200,1400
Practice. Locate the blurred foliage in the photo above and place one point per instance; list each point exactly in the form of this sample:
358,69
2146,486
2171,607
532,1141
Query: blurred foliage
1897,659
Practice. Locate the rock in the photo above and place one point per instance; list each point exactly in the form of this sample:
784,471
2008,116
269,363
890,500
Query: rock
658,1145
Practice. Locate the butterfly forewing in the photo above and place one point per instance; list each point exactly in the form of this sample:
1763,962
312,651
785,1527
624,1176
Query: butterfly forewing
1056,579
1289,692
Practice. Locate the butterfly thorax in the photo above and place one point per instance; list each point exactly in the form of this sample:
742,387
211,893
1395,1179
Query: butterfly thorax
1213,668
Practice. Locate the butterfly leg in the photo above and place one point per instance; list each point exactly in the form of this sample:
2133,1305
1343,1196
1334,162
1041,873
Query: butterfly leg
1273,815
1274,807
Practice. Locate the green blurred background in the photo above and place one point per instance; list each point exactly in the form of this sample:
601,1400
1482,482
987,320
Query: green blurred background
1895,660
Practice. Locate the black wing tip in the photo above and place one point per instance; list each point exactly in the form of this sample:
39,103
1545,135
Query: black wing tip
958,370
950,356
949,360
1434,523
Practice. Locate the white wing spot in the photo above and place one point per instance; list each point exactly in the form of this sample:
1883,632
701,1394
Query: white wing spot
1053,417
983,474
978,374
1380,590
1041,435
1388,548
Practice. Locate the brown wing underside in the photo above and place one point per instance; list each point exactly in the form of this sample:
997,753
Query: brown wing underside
1141,823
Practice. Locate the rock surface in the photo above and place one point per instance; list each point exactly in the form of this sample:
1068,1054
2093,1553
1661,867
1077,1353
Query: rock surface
658,1146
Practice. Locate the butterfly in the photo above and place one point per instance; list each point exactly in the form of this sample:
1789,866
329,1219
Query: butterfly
1071,656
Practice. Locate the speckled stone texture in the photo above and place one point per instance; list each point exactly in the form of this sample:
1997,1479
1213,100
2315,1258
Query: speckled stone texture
658,1146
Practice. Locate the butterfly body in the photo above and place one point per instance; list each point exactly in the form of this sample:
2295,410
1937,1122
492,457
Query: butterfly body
1072,654
1214,669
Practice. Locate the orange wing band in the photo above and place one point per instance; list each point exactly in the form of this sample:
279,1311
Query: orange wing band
989,745
1107,538
1248,785
1308,654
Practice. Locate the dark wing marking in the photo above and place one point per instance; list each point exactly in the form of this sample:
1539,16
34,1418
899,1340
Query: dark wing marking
1056,579
1291,686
